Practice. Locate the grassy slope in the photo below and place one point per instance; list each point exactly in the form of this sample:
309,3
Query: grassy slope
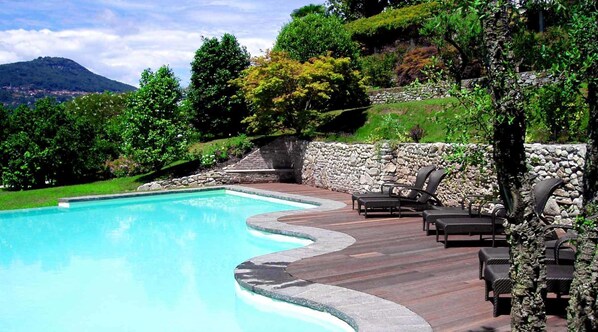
370,124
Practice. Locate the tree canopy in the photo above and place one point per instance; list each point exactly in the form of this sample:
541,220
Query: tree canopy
154,128
314,35
284,93
216,103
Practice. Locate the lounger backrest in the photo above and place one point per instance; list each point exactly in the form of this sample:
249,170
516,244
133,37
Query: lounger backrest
542,191
420,179
433,183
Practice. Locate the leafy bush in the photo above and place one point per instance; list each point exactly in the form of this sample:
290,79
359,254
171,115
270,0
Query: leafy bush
379,69
315,35
102,111
558,111
415,64
124,166
212,153
416,133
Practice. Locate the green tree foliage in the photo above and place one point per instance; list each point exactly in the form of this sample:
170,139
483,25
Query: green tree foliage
457,32
309,9
47,146
558,110
102,111
314,35
286,94
154,128
215,103
577,64
351,10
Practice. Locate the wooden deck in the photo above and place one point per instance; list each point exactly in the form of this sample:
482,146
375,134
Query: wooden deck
395,260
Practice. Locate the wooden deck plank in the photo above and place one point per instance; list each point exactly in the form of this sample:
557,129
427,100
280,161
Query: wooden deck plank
395,260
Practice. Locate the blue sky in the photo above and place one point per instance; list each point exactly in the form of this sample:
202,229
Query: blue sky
118,38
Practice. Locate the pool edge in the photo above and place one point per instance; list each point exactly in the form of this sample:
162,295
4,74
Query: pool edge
267,275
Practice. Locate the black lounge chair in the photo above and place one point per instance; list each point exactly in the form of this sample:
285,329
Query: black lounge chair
423,200
541,193
558,280
483,225
387,187
501,255
559,276
429,217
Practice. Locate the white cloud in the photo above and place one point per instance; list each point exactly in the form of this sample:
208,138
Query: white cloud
119,39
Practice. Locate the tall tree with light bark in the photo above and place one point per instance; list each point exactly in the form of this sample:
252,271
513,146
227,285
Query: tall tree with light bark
578,64
500,23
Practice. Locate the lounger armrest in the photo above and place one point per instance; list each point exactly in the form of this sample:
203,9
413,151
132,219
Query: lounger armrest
473,199
399,188
392,186
436,201
553,227
561,243
499,209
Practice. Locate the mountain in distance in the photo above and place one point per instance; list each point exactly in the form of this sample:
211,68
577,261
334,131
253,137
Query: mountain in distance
63,79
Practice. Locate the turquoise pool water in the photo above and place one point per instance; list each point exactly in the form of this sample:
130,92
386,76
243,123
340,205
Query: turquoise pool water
158,263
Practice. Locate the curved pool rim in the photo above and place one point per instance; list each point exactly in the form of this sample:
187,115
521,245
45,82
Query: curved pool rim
266,275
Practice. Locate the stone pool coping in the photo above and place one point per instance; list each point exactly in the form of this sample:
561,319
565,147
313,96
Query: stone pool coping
266,275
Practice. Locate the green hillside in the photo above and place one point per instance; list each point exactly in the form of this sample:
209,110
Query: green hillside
25,82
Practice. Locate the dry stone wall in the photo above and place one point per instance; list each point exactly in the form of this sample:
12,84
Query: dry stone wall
363,167
422,91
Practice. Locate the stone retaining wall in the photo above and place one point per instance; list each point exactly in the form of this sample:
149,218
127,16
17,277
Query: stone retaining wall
415,92
362,167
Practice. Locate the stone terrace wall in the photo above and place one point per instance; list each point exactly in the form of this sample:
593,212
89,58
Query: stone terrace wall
363,167
441,90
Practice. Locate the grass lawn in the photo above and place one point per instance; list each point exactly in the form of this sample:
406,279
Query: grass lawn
49,196
388,121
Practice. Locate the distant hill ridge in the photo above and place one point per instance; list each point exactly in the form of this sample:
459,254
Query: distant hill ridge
25,82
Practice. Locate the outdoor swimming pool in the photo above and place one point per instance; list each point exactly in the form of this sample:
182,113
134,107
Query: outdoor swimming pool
153,263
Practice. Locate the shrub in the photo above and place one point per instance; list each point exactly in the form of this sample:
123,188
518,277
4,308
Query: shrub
416,133
213,153
415,63
286,94
559,111
379,69
124,166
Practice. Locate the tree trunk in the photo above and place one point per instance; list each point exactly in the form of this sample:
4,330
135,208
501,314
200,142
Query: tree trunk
527,248
582,313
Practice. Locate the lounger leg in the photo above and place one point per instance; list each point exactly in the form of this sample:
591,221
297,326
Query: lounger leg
445,238
495,309
480,272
